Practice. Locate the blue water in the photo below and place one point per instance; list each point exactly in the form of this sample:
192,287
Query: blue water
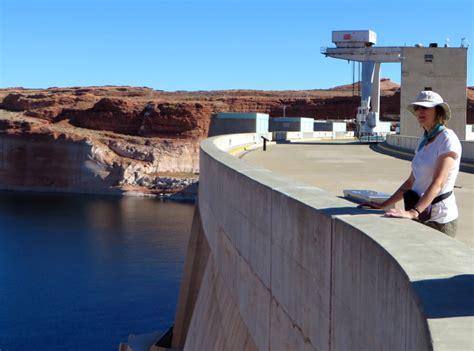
82,272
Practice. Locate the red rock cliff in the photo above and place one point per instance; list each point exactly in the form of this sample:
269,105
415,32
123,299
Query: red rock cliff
136,135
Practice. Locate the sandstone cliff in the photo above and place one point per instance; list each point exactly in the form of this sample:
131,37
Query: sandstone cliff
131,139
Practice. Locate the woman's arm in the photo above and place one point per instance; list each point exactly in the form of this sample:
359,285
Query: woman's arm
443,165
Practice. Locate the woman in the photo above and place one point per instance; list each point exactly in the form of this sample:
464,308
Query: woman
435,168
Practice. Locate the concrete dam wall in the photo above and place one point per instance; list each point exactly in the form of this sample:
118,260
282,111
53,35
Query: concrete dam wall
277,265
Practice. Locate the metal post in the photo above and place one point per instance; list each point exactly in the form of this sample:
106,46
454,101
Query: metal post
264,143
353,78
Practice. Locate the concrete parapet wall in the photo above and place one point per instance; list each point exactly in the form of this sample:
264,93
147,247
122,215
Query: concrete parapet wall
468,149
402,141
292,268
408,142
333,135
279,136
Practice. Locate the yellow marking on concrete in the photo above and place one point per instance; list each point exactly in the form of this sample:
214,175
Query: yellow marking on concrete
241,148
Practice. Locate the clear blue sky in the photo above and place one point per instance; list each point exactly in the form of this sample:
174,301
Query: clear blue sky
209,44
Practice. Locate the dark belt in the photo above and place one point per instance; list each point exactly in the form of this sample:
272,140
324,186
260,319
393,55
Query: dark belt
441,197
411,198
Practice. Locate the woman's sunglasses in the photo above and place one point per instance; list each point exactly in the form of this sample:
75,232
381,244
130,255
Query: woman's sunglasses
417,107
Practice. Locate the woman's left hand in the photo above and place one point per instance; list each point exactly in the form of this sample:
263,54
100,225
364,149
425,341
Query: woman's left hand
399,213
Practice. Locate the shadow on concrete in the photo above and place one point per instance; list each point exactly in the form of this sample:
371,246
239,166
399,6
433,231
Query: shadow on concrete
393,151
353,211
448,297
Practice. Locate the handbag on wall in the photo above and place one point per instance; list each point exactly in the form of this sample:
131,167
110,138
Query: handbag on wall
411,198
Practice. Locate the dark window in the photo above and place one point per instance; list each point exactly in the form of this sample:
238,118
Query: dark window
428,58
428,88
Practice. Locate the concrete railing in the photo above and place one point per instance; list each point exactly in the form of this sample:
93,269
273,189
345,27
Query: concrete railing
288,266
410,143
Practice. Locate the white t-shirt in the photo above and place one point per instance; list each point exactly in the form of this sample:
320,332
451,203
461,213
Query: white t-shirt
423,167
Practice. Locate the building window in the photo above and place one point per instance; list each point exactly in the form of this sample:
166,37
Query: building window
428,58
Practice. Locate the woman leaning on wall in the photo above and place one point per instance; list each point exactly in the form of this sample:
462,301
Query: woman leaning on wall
428,191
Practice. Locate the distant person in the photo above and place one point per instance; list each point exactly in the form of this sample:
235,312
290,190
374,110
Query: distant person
428,191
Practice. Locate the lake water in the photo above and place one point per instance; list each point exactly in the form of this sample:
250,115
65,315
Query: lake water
84,272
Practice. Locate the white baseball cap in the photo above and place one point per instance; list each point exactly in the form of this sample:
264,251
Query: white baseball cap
428,98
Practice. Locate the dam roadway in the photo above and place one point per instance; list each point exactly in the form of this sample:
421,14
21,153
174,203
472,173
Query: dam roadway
338,166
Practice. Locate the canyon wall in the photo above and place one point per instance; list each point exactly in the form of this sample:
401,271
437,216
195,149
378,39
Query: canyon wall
136,139
42,163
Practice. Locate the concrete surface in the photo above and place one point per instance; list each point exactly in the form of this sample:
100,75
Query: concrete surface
293,267
338,166
193,272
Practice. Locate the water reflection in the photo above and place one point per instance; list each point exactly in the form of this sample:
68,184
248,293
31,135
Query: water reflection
82,272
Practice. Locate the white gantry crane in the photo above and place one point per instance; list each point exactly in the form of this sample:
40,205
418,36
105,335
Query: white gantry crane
358,46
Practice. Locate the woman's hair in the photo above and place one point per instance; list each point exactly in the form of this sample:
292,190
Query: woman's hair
441,115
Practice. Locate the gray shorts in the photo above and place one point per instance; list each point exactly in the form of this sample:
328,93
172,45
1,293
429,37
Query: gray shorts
446,228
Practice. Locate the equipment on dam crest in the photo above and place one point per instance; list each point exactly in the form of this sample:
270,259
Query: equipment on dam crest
357,46
239,122
441,69
299,127
365,196
354,39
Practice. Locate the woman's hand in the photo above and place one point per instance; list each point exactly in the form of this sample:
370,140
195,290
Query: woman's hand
399,213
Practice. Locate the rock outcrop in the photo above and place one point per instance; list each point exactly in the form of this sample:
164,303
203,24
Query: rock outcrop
136,139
